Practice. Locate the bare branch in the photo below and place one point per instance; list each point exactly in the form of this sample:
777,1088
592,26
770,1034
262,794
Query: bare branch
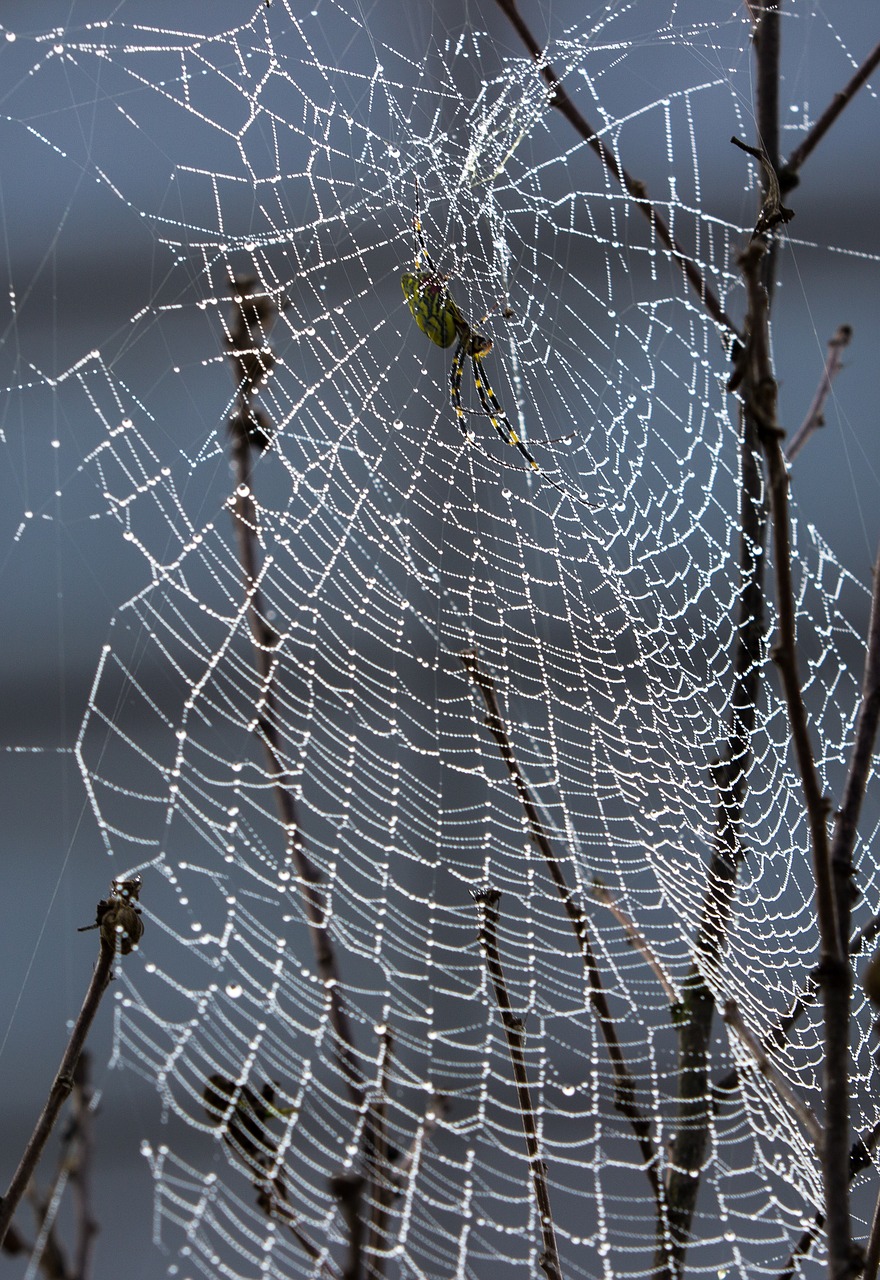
789,174
860,1158
624,1085
80,1174
348,1190
245,1117
560,99
636,939
252,362
808,1121
487,901
816,413
118,922
760,394
688,1152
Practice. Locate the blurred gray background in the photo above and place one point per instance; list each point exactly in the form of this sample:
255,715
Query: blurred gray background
82,264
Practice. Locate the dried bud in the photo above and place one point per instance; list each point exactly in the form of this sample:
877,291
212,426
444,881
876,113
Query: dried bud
117,916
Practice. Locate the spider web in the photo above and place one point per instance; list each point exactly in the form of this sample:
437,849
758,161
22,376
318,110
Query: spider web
274,162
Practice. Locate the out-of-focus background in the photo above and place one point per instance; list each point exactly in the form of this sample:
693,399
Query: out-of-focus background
80,260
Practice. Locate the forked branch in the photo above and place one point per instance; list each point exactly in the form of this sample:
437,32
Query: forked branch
625,1089
816,413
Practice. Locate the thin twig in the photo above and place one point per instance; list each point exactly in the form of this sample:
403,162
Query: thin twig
245,1116
487,902
805,1116
789,174
776,1037
760,391
816,413
561,101
86,1226
860,763
624,1084
636,939
116,918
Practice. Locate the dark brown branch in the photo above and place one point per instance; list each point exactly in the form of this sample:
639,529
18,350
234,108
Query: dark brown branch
633,187
760,394
766,40
245,1117
789,174
348,1190
690,1145
86,1226
487,902
816,413
252,362
380,1187
115,925
636,939
776,1037
624,1085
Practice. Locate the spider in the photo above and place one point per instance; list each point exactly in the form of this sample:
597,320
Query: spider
438,316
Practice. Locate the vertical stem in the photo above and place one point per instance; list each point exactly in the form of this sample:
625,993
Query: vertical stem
690,1145
252,360
61,1086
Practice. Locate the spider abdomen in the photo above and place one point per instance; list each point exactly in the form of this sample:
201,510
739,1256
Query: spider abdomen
432,308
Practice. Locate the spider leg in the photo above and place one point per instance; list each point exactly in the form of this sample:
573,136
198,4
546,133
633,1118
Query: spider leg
500,421
422,250
455,376
496,415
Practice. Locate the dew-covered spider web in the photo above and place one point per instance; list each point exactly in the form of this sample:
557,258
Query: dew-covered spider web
326,580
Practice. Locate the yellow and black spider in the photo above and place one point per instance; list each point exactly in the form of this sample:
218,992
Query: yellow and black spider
439,318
